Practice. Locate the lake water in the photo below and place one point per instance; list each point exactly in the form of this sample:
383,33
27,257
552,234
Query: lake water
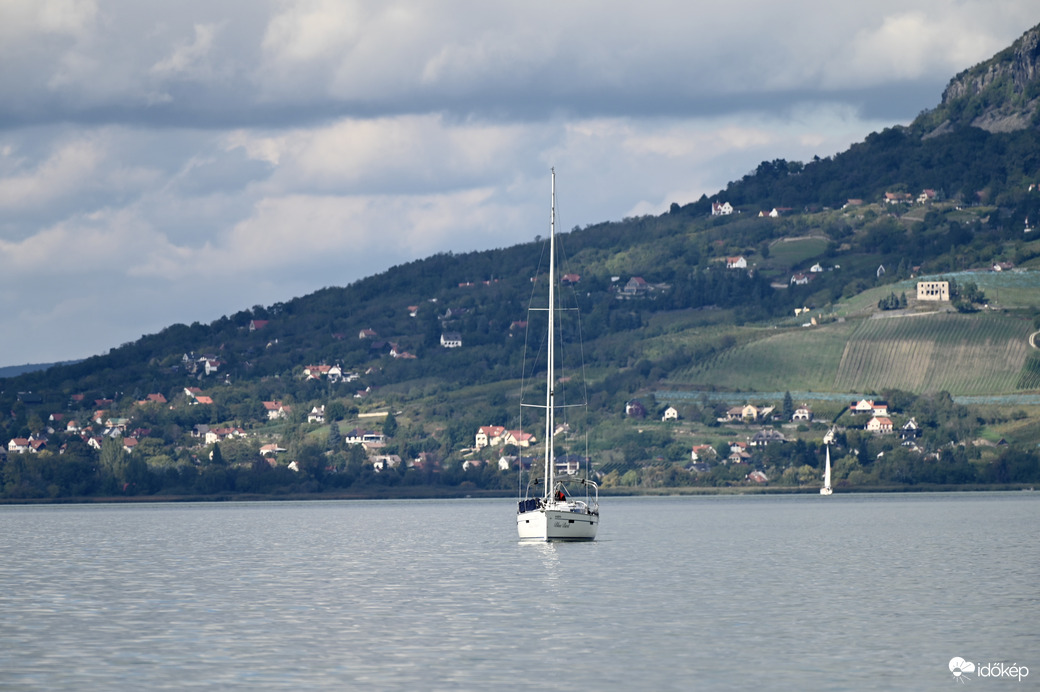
850,592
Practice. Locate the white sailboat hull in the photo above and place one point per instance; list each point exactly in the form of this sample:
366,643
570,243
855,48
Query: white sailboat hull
556,525
826,491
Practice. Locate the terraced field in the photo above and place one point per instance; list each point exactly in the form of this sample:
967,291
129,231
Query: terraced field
961,354
978,354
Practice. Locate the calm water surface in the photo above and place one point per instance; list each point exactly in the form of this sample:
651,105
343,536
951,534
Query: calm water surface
853,592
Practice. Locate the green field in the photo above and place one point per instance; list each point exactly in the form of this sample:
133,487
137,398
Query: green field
962,354
794,251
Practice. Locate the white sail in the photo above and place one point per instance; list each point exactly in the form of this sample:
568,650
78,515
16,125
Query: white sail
826,489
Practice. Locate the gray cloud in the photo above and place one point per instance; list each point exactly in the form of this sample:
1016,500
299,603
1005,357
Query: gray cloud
176,162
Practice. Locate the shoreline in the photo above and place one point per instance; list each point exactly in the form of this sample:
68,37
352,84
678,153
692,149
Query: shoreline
453,494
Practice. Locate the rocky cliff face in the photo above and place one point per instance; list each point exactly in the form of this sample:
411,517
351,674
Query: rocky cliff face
999,95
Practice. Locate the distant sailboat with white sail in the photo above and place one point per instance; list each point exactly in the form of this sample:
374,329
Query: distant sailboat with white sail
826,489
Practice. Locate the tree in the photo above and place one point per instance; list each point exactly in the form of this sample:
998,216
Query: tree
335,439
788,406
335,411
390,425
113,457
215,456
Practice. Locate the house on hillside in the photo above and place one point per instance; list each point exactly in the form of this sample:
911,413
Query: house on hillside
723,209
670,413
738,453
635,288
766,437
748,413
702,453
214,435
757,476
276,410
451,340
489,436
910,430
316,371
799,279
879,425
368,438
20,445
518,438
569,464
862,406
635,409
736,262
933,290
152,399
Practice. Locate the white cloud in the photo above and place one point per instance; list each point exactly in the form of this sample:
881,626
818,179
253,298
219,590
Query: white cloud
398,153
70,167
189,57
307,30
104,243
29,19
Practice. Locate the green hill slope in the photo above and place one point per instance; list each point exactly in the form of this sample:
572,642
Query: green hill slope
962,354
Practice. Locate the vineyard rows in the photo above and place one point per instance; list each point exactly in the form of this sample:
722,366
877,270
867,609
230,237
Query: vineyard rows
963,354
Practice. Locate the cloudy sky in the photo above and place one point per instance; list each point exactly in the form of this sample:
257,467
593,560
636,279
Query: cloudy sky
165,162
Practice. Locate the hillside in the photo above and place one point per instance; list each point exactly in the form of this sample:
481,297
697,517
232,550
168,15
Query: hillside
930,352
742,305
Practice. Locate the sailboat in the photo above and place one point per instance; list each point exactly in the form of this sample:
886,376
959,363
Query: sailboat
556,515
826,489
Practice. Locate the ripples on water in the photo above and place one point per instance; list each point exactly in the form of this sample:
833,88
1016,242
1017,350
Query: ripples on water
767,592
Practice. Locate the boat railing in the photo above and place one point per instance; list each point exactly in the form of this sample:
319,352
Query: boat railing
588,483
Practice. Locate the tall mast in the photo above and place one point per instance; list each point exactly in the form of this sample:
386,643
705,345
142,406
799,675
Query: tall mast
550,475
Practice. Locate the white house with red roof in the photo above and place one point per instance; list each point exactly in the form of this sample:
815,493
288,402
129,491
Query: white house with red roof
879,424
518,438
736,262
276,410
489,436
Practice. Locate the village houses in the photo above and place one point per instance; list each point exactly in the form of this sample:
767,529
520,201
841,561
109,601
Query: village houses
880,424
276,410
